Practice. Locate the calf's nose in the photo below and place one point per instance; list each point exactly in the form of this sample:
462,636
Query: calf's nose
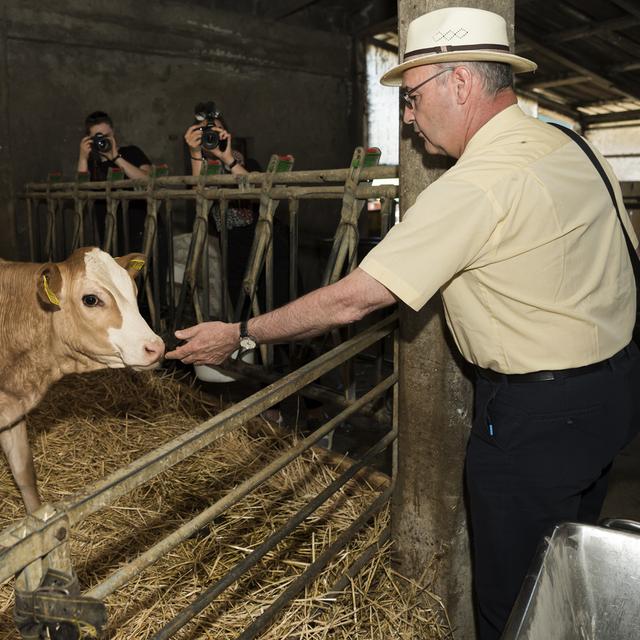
154,350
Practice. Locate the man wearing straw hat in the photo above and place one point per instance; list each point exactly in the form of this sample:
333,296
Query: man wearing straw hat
522,239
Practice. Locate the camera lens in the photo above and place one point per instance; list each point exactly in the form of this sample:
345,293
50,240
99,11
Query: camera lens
100,143
210,138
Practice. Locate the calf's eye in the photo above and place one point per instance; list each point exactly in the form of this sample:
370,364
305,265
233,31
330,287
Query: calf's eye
90,300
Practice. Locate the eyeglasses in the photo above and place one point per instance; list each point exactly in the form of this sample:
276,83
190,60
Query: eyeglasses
407,94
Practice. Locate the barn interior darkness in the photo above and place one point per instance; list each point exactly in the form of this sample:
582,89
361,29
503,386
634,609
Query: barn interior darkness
288,75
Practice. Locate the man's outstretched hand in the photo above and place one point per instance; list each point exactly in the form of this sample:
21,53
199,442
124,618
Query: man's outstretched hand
206,343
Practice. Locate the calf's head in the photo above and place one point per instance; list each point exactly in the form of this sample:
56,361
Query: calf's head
95,316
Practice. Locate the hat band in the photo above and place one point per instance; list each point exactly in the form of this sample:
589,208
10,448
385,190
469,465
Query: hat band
459,47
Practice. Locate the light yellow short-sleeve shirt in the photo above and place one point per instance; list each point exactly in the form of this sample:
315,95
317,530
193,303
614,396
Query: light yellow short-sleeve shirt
523,241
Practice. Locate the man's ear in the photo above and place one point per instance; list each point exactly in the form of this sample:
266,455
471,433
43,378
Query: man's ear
132,262
463,80
49,285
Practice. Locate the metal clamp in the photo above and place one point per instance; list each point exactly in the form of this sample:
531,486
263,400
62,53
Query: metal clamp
56,610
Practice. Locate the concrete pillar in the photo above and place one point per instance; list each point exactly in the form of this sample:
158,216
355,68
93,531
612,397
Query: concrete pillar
435,407
7,209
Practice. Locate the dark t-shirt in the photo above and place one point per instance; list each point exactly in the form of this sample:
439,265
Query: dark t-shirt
99,168
98,171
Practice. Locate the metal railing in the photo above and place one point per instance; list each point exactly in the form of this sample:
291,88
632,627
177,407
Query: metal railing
51,239
40,541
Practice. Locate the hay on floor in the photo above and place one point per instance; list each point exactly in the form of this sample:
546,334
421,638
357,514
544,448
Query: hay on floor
90,425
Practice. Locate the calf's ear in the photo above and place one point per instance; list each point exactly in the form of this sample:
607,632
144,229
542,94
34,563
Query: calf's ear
49,285
132,262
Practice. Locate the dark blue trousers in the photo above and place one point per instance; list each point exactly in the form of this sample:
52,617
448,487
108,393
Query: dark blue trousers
539,454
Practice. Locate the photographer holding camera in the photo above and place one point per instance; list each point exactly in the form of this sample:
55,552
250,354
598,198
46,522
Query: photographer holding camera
99,151
209,139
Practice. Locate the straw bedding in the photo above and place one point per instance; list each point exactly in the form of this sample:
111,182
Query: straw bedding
90,425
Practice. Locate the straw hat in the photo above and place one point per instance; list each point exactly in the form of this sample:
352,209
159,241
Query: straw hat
456,34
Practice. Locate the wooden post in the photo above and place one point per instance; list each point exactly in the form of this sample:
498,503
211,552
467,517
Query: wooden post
435,402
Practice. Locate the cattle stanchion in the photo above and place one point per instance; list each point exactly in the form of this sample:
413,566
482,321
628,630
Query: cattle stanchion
48,601
110,240
345,240
79,204
197,247
261,256
151,277
37,542
37,547
53,207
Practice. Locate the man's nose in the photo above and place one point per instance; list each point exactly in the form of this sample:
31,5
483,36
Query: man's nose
407,115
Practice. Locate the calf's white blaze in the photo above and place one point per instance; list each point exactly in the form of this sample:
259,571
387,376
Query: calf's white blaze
133,338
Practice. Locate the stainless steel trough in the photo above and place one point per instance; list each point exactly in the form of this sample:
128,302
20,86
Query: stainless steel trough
585,585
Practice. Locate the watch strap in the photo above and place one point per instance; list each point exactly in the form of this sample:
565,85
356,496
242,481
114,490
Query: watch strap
232,164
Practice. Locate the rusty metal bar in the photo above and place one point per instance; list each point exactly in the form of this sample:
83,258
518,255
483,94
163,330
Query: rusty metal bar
151,555
342,583
315,568
207,596
321,176
357,565
313,391
105,491
363,191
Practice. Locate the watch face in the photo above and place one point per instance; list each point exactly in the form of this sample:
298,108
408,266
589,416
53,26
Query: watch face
247,342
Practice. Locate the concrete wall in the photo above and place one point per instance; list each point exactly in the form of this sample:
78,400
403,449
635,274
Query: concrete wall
286,89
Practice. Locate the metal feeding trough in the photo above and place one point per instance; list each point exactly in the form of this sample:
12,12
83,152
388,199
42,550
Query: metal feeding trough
584,585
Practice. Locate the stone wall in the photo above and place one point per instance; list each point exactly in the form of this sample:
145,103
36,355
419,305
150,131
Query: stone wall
283,88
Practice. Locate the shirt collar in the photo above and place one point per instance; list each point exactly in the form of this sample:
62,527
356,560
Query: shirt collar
490,130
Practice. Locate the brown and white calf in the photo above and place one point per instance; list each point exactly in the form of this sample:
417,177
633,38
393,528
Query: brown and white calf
57,318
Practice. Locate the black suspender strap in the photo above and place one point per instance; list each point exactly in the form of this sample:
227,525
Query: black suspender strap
633,256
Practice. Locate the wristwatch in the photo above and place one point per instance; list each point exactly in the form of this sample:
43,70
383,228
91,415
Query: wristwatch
247,342
232,164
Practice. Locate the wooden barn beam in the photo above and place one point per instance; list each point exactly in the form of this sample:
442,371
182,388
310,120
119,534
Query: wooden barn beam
429,519
624,88
631,6
383,45
620,116
560,107
278,9
594,28
560,80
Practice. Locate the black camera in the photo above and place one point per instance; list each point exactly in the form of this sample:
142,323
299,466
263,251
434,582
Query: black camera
100,143
207,112
211,139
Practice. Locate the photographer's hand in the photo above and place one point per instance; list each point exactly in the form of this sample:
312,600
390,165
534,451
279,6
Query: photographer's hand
193,138
228,157
85,150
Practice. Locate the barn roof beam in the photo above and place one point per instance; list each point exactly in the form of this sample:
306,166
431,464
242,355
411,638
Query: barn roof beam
559,80
621,116
594,28
620,86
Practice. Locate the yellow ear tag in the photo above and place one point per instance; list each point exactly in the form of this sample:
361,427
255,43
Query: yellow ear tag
53,298
136,264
